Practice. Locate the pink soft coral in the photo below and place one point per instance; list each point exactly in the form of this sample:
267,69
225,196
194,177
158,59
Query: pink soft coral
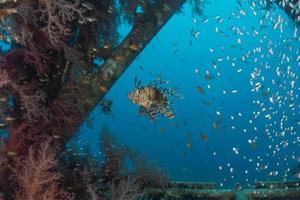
4,79
33,101
26,95
57,14
36,175
66,111
128,189
64,115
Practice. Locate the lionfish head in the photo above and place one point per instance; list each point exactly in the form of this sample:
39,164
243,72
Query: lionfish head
134,96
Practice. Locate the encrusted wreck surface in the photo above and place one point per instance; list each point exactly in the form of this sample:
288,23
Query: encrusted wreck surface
292,8
207,191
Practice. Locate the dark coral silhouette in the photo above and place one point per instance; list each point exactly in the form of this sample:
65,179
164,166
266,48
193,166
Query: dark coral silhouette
95,178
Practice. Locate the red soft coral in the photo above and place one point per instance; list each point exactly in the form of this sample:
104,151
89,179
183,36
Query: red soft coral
66,111
4,79
38,60
127,189
57,14
26,95
36,175
33,101
64,116
4,106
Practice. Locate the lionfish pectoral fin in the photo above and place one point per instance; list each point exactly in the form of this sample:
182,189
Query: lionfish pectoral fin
142,111
152,114
167,112
137,82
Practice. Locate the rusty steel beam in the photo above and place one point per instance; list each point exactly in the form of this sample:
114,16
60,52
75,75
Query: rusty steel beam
277,184
292,9
199,191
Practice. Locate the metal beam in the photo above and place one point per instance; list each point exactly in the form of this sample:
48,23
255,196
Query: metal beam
200,191
292,9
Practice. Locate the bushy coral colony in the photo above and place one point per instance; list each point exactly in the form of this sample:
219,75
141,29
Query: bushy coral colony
43,79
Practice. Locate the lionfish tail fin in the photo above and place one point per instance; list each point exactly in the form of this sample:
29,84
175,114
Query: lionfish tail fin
167,112
152,114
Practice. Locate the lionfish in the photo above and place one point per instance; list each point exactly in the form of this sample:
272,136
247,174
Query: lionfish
152,99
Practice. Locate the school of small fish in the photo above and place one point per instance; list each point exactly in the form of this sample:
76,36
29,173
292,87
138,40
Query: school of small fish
273,82
272,68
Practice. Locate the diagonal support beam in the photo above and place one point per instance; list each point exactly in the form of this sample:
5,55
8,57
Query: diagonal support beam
292,9
146,26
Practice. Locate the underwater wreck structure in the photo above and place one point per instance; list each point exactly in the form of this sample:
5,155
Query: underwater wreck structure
291,8
200,191
50,77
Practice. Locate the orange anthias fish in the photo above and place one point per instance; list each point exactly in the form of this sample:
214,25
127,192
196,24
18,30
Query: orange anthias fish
253,145
203,137
189,145
208,76
200,90
215,125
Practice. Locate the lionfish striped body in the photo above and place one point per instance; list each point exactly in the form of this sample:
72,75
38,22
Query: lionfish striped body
151,100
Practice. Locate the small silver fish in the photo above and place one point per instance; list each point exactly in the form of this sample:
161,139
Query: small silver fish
88,6
91,19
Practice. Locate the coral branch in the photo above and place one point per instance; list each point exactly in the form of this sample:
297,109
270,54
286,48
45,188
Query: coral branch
33,101
57,14
93,194
36,176
66,110
62,117
128,189
4,79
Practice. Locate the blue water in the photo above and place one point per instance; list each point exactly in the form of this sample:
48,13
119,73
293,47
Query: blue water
180,49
